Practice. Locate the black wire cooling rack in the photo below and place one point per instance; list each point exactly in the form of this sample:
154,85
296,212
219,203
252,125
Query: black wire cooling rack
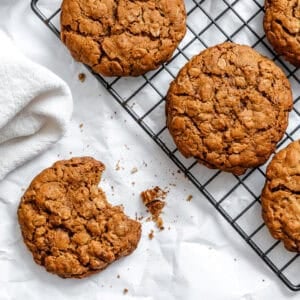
235,198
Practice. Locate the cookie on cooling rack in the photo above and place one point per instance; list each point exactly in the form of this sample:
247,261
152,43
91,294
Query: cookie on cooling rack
67,223
282,27
122,38
228,108
281,197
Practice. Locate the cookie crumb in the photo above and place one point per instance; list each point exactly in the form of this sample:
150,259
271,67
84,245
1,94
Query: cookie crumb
125,291
118,168
189,198
153,199
80,125
81,77
118,276
134,170
151,235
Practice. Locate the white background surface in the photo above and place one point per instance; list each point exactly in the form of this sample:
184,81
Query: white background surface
200,257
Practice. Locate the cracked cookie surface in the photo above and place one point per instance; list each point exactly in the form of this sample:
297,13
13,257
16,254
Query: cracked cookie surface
228,108
281,197
67,223
282,27
123,37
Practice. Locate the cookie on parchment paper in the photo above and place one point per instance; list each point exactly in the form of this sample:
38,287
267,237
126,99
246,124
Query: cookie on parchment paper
124,37
281,197
282,27
67,223
228,108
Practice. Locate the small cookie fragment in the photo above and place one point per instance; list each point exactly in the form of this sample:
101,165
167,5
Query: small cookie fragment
122,38
81,77
151,235
67,223
281,197
228,108
134,170
282,28
153,199
189,198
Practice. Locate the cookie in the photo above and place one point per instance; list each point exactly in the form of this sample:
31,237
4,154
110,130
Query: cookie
280,197
282,27
67,223
124,37
228,108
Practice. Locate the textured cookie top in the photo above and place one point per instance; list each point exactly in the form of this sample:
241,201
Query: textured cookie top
123,37
67,223
228,108
282,27
281,196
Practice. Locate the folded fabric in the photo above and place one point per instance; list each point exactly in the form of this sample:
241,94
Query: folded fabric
35,107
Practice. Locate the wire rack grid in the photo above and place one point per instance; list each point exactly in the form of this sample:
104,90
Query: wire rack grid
208,23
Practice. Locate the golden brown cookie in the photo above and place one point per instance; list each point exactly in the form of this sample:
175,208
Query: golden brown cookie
228,108
282,27
124,37
281,197
67,223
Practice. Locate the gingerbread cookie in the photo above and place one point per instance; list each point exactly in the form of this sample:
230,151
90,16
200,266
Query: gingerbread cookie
281,197
124,37
228,108
67,223
282,27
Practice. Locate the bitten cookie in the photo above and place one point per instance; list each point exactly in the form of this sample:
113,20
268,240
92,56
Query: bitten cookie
282,27
125,37
67,223
228,108
281,197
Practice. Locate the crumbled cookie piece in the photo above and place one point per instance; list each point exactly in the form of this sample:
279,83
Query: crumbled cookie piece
280,197
228,108
81,77
125,291
67,223
134,170
118,168
189,198
282,27
124,37
151,235
153,199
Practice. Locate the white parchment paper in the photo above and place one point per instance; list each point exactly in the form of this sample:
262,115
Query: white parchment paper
198,256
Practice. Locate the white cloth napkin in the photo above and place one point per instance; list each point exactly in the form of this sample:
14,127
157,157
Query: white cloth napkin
35,107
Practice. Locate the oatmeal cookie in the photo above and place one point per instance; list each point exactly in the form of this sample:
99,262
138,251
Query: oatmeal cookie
281,197
282,27
228,108
67,223
123,37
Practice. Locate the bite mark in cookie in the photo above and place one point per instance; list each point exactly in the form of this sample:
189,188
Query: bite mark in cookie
67,223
